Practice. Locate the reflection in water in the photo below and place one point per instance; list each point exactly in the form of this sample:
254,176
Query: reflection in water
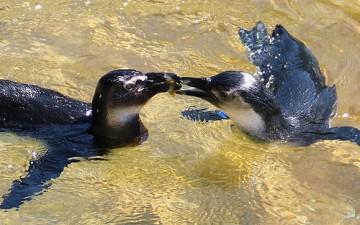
186,172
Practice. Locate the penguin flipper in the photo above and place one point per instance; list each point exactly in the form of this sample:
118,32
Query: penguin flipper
280,55
255,41
203,115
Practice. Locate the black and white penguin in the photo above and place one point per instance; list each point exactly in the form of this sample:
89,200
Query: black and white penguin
70,128
287,99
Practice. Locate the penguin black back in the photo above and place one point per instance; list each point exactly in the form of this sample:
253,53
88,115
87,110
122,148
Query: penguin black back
25,106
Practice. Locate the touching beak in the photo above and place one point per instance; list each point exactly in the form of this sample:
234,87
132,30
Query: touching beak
197,87
163,82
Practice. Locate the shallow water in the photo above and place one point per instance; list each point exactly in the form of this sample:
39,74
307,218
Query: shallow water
186,172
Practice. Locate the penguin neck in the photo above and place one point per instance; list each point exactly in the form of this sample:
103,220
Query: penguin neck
265,112
118,125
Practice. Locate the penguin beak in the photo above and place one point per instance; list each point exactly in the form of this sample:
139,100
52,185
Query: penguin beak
163,82
197,87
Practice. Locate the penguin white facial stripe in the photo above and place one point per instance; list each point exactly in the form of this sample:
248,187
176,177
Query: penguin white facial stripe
248,81
133,80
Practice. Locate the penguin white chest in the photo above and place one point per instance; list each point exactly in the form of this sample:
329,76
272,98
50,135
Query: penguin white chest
248,120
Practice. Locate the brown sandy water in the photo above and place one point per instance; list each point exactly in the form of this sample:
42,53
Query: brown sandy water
186,172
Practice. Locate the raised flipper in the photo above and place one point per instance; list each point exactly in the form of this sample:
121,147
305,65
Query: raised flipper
290,70
256,42
260,51
278,53
203,115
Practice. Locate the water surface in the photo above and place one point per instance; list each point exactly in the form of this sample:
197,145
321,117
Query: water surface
186,172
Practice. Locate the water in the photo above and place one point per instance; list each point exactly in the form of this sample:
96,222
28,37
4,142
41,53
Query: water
186,172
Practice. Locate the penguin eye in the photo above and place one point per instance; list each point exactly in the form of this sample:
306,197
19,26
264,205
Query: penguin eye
129,86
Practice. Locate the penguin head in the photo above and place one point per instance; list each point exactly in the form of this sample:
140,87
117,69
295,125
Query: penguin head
230,89
126,88
121,94
242,96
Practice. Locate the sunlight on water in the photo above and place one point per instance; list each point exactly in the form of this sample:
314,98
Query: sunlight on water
186,172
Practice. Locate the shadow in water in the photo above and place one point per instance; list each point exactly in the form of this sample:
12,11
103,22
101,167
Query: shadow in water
65,145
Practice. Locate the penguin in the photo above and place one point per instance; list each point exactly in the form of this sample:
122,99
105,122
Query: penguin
287,99
72,129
